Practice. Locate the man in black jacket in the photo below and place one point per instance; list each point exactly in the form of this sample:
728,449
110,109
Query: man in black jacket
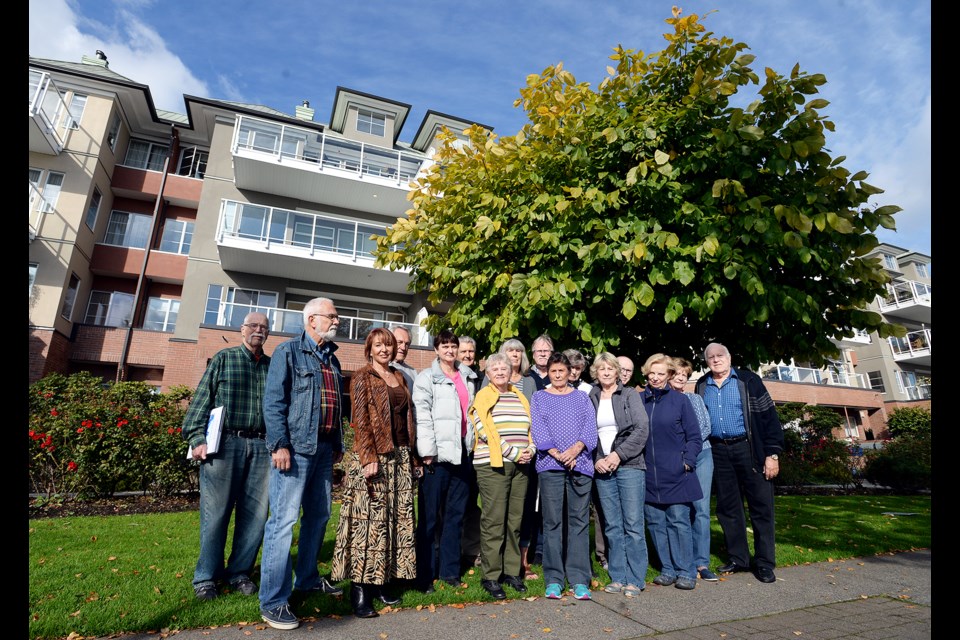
746,438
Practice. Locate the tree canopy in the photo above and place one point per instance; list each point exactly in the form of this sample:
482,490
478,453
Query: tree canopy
656,212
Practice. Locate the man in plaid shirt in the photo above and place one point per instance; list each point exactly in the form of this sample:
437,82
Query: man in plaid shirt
233,480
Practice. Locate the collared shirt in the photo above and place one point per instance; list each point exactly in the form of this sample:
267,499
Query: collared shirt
329,389
725,408
234,379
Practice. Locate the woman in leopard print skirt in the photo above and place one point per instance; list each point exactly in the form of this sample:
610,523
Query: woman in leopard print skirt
376,532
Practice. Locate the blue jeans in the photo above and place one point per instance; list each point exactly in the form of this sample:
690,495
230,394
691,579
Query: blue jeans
234,480
559,488
669,526
700,513
621,497
307,484
442,501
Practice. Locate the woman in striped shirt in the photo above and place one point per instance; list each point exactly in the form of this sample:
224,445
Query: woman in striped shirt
500,415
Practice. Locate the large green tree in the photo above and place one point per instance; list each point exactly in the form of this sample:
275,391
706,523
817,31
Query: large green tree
657,212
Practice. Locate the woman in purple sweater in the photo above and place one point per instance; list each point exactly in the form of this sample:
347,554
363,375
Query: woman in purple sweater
564,430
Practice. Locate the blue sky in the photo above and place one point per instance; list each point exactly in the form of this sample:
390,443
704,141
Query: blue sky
469,59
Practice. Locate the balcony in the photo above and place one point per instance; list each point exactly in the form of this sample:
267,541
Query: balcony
914,348
309,165
859,337
291,321
907,299
790,373
302,246
37,208
49,117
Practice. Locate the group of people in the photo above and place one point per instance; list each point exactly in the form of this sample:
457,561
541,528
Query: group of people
503,465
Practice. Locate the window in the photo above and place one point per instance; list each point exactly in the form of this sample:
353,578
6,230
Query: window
77,103
46,188
109,309
237,303
128,230
161,314
33,277
70,297
146,155
91,219
876,381
922,270
177,235
890,262
193,163
372,123
114,132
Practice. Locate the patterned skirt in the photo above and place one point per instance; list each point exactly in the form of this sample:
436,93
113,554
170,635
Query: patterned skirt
376,531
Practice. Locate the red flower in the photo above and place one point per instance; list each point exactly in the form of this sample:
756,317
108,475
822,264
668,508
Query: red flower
170,430
71,466
99,425
80,430
156,424
54,412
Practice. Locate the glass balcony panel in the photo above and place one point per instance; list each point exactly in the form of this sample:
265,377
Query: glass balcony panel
342,154
380,162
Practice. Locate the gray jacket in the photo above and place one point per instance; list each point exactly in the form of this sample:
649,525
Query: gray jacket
438,413
633,426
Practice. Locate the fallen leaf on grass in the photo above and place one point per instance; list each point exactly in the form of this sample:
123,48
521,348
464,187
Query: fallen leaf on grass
112,558
75,613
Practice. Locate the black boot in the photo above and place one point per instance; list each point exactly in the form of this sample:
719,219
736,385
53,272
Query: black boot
361,601
380,593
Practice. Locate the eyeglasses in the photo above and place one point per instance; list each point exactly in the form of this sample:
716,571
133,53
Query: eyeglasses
251,325
622,370
542,351
332,317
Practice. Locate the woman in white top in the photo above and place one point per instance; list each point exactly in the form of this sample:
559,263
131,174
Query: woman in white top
620,474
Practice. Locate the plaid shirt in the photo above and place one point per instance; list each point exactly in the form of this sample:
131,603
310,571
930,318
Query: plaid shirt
234,379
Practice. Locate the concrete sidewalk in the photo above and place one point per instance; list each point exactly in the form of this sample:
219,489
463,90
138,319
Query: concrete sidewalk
886,596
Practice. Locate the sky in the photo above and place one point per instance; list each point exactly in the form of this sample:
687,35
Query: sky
470,58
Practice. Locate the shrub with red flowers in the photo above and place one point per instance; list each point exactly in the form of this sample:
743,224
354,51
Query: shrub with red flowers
811,455
89,440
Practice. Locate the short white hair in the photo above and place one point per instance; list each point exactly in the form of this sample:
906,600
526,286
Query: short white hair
313,307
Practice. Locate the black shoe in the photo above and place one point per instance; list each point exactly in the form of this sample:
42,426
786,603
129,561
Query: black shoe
453,582
245,586
426,588
360,601
206,591
765,574
494,589
323,586
515,583
385,597
732,567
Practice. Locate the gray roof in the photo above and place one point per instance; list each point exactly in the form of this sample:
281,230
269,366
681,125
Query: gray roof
84,68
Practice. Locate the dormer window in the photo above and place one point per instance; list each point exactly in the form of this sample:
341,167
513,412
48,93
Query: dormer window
890,262
372,123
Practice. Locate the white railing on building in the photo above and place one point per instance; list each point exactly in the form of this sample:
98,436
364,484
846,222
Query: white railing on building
47,106
913,345
790,373
903,293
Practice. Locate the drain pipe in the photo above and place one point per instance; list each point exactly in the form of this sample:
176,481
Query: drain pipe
155,225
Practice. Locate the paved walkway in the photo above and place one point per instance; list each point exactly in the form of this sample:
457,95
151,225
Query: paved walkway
886,596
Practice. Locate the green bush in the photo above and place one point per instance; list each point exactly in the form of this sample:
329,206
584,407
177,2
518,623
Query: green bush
811,455
903,464
909,421
90,440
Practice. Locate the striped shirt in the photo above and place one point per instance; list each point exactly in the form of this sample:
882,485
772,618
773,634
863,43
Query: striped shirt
725,408
512,424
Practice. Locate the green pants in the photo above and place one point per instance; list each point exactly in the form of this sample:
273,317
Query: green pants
502,492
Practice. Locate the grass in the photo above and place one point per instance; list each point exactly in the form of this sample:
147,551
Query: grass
96,576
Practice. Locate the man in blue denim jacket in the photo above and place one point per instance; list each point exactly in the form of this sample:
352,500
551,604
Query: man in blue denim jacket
302,409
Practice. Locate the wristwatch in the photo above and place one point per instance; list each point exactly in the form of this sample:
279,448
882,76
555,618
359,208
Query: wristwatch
775,457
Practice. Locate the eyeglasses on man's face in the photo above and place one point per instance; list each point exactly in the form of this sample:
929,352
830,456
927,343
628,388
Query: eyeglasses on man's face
254,326
332,317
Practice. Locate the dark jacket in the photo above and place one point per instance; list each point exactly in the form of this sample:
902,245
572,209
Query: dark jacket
764,430
674,441
371,418
633,426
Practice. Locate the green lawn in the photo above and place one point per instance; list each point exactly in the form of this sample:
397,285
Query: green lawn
96,576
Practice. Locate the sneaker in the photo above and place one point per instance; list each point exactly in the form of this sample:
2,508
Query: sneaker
613,587
706,574
686,583
206,591
553,591
581,592
632,591
323,586
244,585
664,581
280,617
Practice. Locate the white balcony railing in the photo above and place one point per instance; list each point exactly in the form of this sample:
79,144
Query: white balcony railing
915,344
790,373
308,232
311,148
48,109
291,321
904,293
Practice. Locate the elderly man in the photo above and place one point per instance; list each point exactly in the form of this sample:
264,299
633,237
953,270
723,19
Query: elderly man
303,409
234,479
399,361
626,370
542,350
746,439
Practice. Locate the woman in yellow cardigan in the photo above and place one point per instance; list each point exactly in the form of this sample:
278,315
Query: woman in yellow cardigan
500,415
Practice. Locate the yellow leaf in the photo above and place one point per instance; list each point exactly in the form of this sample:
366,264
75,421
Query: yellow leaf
798,633
547,629
112,558
383,636
75,613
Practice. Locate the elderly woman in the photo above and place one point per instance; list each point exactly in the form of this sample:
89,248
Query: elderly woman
442,393
564,428
620,478
673,446
375,534
500,416
577,364
700,514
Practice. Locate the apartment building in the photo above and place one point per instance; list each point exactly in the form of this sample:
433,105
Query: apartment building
152,233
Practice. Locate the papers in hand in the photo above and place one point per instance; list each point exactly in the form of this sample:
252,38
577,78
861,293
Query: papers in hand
214,429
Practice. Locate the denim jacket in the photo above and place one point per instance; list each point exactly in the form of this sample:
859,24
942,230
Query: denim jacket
291,400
